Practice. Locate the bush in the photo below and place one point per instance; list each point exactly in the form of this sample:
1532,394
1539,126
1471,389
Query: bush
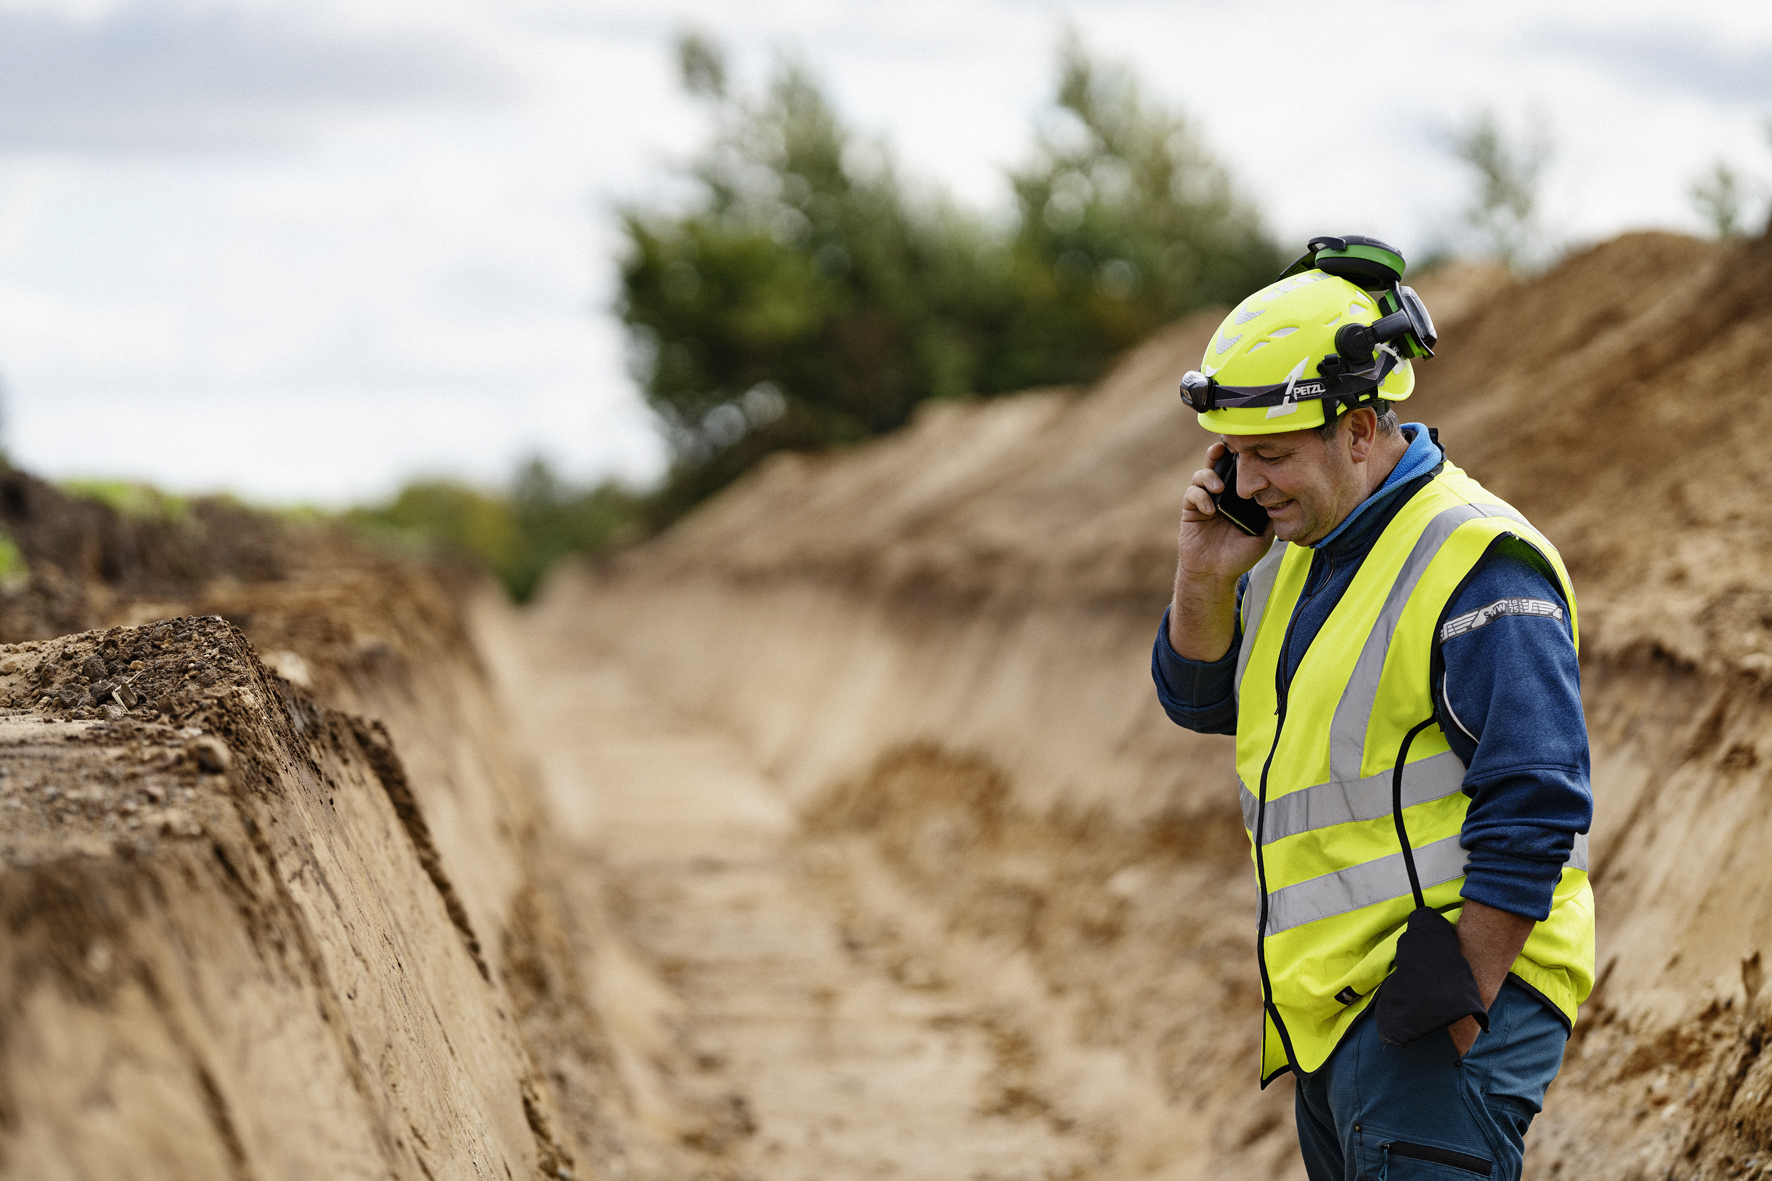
517,535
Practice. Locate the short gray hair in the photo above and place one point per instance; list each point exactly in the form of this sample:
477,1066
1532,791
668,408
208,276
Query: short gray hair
1387,423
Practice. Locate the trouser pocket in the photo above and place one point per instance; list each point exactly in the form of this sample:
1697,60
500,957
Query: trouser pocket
1400,1160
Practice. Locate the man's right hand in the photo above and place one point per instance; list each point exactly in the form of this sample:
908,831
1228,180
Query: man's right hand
1211,548
1212,554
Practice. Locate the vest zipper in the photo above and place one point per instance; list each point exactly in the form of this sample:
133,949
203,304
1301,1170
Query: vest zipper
1282,686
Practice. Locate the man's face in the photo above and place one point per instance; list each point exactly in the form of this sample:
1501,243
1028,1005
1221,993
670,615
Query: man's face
1307,484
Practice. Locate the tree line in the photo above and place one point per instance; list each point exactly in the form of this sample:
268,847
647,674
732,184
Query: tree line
806,293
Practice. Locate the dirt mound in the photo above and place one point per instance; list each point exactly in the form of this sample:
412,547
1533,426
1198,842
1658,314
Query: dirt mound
937,645
1621,402
232,947
280,900
85,557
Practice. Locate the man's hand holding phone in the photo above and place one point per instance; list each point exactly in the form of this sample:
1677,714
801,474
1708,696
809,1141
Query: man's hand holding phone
1212,554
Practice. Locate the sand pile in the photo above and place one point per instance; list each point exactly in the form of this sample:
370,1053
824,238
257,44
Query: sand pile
936,646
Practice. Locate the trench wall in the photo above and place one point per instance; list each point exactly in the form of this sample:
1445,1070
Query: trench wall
286,914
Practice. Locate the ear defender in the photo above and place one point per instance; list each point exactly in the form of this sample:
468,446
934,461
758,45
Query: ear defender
1376,267
1409,326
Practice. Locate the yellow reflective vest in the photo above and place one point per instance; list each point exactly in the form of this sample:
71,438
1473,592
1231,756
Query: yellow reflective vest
1317,758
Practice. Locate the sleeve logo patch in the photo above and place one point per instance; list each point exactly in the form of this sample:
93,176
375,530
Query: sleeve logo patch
1470,621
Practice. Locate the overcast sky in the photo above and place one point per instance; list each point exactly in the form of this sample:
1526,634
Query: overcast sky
303,251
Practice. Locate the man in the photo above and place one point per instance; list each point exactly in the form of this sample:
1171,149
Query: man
1396,655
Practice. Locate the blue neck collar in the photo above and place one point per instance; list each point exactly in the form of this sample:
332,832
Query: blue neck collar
1421,458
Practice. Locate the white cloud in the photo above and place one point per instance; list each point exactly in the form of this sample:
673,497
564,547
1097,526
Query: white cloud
151,76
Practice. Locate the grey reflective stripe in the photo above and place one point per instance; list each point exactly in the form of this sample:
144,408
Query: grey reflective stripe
1376,881
1255,597
1430,779
1251,806
1362,885
1470,621
1347,732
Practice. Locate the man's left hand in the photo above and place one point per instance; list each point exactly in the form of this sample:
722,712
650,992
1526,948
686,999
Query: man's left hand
1491,941
1464,1033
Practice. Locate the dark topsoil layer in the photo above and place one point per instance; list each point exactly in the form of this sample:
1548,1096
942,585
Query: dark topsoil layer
86,558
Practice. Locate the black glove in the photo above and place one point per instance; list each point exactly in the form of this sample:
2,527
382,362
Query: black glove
1431,986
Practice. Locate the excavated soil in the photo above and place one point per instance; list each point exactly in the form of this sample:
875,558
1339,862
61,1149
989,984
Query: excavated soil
837,833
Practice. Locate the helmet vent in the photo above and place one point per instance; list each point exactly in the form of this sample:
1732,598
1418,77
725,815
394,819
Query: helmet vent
1330,322
1355,308
1248,314
1225,344
1280,332
1260,344
1293,284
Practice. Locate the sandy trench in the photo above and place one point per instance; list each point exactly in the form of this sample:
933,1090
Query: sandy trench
816,1041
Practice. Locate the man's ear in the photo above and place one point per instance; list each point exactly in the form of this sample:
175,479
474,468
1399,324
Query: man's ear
1362,432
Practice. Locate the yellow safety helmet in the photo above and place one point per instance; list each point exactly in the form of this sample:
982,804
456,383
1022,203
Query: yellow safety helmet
1338,330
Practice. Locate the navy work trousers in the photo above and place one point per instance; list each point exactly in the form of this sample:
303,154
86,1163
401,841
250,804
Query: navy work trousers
1419,1112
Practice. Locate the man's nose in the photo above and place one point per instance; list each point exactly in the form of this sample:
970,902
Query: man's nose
1248,482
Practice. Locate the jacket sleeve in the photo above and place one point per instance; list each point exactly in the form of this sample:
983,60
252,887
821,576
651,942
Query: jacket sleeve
1510,705
1198,695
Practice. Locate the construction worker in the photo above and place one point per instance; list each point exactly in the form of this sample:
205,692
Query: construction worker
1395,650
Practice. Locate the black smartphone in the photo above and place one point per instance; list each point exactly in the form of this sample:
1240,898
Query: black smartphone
1240,511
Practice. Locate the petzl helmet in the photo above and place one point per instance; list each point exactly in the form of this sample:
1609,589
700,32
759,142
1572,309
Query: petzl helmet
1338,330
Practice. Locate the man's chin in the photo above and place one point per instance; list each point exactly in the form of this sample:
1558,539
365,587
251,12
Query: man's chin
1289,523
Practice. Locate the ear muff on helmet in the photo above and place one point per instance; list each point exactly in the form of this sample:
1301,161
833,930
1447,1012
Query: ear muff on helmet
1409,327
1377,267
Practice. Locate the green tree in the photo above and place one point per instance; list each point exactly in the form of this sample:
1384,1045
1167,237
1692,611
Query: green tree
1126,222
1718,195
517,535
802,299
806,295
1504,210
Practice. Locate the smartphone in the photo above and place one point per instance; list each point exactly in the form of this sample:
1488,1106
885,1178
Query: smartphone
1245,514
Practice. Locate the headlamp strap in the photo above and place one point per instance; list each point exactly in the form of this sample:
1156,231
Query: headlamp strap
1332,386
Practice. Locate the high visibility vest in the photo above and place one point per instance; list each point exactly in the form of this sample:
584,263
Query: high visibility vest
1316,761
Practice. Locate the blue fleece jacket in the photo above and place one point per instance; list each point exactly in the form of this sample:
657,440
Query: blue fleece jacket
1509,701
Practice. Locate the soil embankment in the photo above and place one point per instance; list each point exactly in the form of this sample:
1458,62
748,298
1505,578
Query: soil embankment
272,873
936,649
